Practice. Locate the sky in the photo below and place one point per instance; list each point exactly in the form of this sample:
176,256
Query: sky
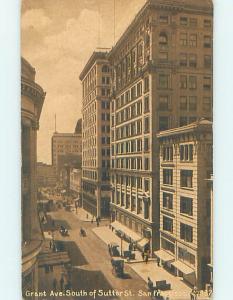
57,39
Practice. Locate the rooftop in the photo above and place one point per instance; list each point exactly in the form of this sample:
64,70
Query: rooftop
201,124
95,55
185,5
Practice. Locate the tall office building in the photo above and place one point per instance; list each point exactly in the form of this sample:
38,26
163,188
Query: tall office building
162,78
32,99
95,79
186,165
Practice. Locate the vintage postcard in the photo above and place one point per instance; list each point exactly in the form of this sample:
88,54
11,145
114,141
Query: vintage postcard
116,130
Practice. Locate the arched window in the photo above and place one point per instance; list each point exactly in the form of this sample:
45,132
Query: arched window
105,69
163,40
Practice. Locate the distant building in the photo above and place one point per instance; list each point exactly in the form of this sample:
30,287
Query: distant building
185,204
32,99
78,127
65,144
75,182
46,175
162,78
95,79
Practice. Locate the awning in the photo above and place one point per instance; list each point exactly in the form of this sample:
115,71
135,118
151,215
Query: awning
128,232
164,256
183,267
142,243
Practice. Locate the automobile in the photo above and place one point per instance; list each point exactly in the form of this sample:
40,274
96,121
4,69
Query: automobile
117,266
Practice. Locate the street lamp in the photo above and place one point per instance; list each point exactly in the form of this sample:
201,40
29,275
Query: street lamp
121,244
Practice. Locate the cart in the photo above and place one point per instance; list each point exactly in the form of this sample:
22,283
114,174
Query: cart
113,249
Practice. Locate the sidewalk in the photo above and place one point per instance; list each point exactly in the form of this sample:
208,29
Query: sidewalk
108,236
83,215
179,290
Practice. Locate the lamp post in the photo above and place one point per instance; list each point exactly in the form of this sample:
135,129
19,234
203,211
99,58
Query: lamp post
121,244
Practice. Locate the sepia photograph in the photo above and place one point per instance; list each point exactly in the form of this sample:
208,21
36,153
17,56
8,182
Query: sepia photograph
117,149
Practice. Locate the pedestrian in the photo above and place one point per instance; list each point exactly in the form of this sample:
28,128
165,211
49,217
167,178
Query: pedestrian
97,223
54,284
143,255
150,284
158,262
146,257
62,283
50,244
92,221
87,216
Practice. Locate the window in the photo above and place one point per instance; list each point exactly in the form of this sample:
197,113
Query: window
168,153
207,104
193,40
186,232
184,21
139,207
163,81
186,206
184,255
146,105
183,39
207,83
193,60
168,246
146,84
183,60
146,125
163,123
207,41
168,176
163,56
183,81
133,92
167,200
146,185
192,82
163,103
146,144
139,89
147,163
105,69
207,23
163,19
186,152
167,224
192,103
183,103
133,203
163,40
207,61
186,178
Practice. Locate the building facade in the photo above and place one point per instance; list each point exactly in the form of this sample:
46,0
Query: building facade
76,183
46,175
32,98
95,79
65,144
162,78
185,202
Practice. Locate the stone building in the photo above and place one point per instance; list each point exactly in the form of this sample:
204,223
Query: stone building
95,79
32,98
185,202
162,78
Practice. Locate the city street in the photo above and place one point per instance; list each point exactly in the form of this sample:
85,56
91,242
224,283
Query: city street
91,266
